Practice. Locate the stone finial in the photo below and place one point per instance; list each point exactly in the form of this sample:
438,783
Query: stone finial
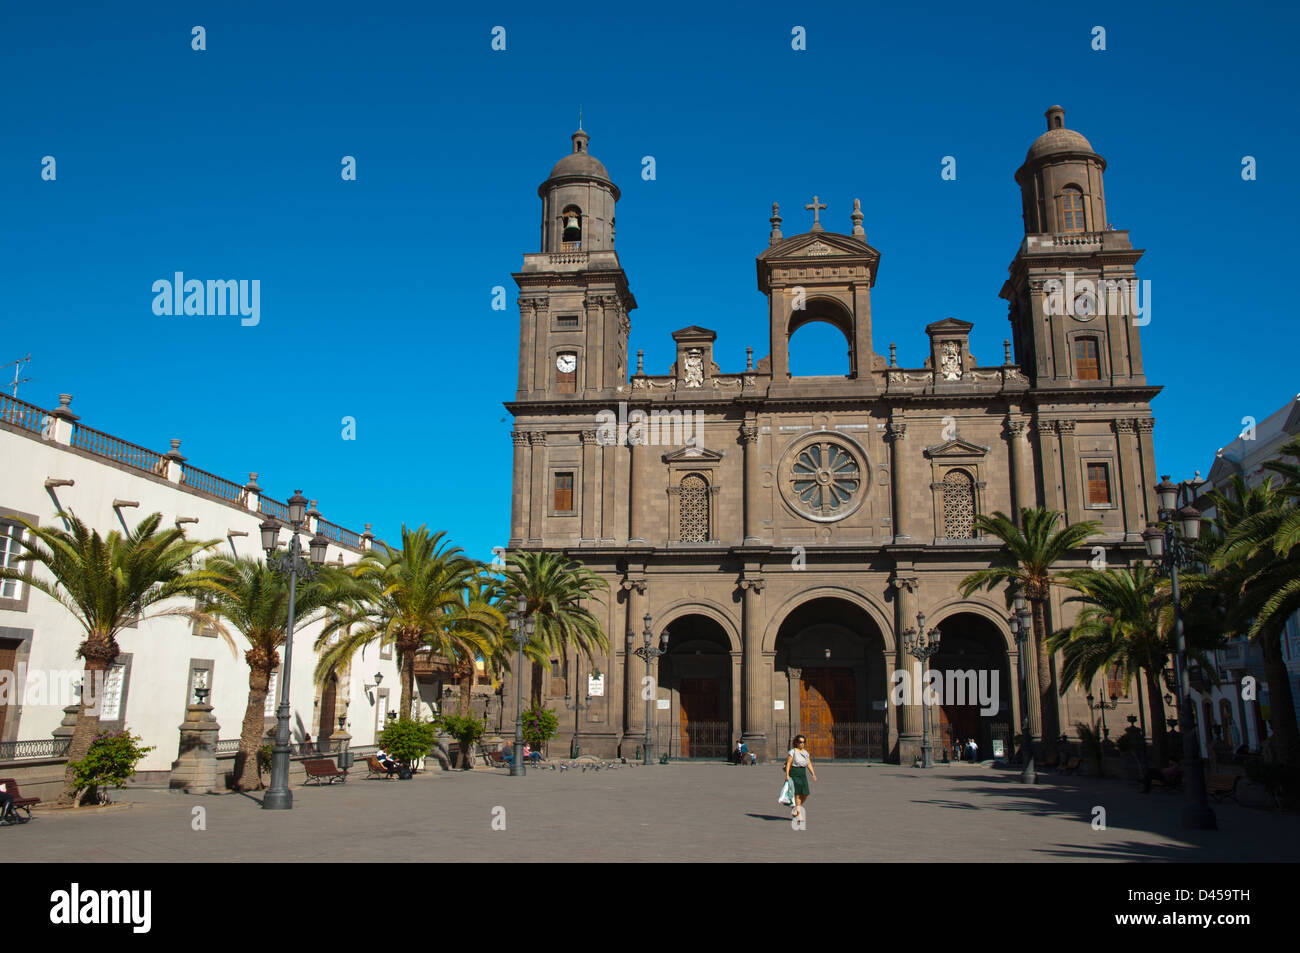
311,509
175,452
893,354
816,206
63,411
749,358
858,230
640,361
1006,351
776,224
252,483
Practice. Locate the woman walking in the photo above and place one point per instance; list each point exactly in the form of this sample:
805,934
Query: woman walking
798,766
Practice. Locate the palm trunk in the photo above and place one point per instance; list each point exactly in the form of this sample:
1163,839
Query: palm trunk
247,777
1281,704
99,657
408,684
466,691
1047,711
1156,702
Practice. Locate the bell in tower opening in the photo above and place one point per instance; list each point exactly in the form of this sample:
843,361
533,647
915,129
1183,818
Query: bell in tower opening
572,225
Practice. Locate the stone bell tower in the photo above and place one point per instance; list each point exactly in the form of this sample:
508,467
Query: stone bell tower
573,295
1073,292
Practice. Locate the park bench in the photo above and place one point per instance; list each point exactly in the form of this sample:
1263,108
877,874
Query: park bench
1071,766
323,770
20,802
1220,786
377,770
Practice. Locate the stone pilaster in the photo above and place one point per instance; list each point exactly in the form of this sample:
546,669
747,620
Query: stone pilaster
753,710
539,493
1050,455
795,677
749,439
590,478
1022,483
909,713
633,667
897,432
519,489
1129,479
1070,471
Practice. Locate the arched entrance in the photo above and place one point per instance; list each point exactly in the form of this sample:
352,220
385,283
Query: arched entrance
972,659
834,657
697,672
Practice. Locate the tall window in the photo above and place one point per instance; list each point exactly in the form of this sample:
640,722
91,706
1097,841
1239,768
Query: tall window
958,505
1087,359
693,515
1071,209
10,549
1098,484
563,493
1116,683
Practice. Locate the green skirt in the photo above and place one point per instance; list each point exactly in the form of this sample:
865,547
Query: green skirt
799,777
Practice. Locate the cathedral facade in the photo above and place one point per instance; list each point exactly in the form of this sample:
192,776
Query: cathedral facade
777,536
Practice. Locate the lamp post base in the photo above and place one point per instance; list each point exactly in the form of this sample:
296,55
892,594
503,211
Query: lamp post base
927,755
1028,774
277,801
1198,817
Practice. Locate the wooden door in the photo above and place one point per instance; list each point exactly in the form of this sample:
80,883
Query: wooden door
701,702
8,663
327,708
826,696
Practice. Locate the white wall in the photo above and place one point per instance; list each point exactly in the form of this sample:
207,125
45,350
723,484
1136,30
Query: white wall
161,648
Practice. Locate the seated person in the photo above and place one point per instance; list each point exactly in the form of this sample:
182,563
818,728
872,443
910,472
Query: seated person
7,812
508,753
386,760
530,754
1171,776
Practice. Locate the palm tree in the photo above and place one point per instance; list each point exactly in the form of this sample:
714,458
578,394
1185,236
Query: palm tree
408,594
106,583
475,629
1035,546
254,599
1124,621
1259,560
555,588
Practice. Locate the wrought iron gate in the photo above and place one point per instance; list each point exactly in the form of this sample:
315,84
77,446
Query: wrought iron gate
848,741
710,740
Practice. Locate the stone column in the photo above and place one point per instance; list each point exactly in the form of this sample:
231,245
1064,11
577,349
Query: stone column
195,769
897,432
752,707
909,715
1070,468
519,489
795,676
633,668
1022,484
527,320
589,477
1129,478
537,486
749,439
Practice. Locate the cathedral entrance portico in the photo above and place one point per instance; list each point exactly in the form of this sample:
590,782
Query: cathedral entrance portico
976,685
696,677
832,654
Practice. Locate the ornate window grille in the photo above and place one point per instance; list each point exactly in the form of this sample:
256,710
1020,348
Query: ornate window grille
958,505
693,514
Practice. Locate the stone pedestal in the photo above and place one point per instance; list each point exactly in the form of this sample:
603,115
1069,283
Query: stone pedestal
195,770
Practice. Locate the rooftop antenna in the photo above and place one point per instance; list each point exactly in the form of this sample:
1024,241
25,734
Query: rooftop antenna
18,366
579,119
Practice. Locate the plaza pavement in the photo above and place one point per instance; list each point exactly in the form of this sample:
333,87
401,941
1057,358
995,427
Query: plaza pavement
677,812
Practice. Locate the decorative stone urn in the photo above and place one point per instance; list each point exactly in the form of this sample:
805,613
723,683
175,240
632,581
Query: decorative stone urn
195,770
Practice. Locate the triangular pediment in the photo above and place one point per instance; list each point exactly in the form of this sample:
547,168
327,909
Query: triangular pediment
694,332
949,326
693,455
956,448
819,245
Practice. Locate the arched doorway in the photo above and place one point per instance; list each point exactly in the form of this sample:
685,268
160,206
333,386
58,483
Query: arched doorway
834,656
976,688
697,671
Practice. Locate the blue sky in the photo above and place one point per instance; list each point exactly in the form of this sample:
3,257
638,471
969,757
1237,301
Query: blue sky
376,293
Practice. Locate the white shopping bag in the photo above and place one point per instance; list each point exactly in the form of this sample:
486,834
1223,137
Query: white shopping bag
787,793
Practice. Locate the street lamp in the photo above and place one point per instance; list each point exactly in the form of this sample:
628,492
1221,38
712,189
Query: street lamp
1103,706
523,626
1021,632
649,653
278,796
1170,546
921,645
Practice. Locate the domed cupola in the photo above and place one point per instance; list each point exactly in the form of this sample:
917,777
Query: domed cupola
1061,182
578,200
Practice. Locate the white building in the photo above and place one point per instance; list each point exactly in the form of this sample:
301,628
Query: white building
1241,722
53,461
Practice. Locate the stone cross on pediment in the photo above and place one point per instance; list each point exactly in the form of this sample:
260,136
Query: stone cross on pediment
816,208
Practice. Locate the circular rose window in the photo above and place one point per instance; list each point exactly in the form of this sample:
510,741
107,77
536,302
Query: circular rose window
824,477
